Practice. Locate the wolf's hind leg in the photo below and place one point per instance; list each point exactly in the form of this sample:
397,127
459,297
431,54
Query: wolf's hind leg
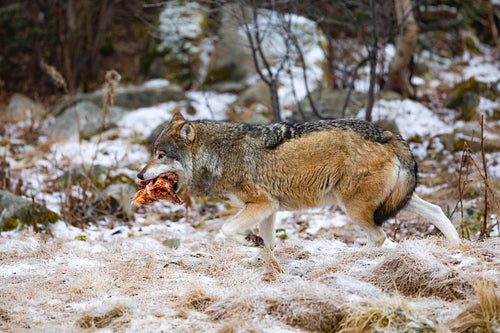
363,215
376,236
240,226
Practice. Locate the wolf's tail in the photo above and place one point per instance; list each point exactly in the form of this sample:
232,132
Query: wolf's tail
435,216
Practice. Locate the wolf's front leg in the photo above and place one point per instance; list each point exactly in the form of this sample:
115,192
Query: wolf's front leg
240,227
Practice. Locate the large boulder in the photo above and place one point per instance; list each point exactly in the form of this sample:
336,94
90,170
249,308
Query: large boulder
232,59
175,52
258,93
16,213
329,104
467,96
83,119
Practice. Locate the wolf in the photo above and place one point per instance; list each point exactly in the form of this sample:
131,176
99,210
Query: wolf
369,172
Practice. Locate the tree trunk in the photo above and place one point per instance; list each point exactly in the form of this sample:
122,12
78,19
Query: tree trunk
275,101
399,73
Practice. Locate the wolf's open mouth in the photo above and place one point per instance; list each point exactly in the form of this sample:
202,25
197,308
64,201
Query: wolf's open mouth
162,187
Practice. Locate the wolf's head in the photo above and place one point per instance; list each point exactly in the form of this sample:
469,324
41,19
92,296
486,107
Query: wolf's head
172,151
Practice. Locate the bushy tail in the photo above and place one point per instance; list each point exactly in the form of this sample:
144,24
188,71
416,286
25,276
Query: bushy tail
435,216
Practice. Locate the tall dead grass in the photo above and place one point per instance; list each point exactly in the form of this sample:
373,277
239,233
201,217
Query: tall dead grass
113,317
484,314
404,272
311,313
384,316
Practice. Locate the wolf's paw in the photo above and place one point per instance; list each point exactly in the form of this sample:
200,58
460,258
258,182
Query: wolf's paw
254,239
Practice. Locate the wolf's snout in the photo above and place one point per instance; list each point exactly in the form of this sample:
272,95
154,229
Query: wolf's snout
140,175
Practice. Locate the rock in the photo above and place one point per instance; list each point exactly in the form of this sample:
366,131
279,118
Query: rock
97,175
329,104
118,197
463,133
21,106
229,87
466,97
85,119
16,213
138,96
175,51
472,218
258,93
232,61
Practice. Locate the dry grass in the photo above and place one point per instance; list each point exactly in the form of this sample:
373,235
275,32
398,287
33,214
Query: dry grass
197,298
384,316
407,273
209,287
484,314
104,317
313,313
94,282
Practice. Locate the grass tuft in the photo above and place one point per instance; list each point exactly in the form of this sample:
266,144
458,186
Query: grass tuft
484,314
384,316
403,272
98,319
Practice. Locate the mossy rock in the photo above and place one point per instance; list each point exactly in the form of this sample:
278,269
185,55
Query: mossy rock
455,141
472,221
466,97
175,53
17,213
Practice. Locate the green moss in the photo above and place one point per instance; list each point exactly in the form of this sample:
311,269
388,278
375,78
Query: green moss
81,237
47,216
172,243
13,224
221,74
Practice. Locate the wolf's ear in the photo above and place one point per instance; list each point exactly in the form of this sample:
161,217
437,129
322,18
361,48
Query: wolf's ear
177,117
187,133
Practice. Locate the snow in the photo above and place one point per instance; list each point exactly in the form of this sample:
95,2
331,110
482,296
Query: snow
210,105
143,121
412,118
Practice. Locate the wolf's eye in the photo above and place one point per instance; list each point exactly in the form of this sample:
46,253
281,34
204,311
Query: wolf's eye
161,155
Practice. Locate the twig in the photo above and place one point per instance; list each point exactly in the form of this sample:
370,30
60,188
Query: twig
483,233
396,227
33,213
351,86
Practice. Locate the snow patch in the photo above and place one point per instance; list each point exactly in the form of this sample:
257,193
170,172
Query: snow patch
412,118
